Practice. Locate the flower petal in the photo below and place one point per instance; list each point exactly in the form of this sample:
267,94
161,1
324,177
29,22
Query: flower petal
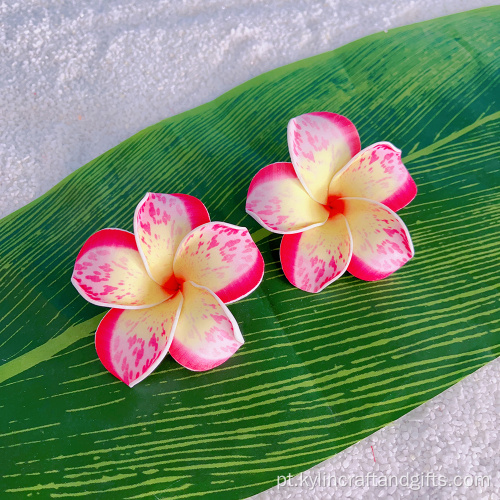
315,258
160,223
109,272
320,144
381,241
132,343
221,257
376,173
277,200
207,333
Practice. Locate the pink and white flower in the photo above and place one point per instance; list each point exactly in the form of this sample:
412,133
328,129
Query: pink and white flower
168,285
334,204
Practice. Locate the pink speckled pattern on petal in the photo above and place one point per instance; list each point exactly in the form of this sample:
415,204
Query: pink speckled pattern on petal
277,200
160,223
207,333
221,257
315,258
320,144
381,241
376,173
109,272
132,343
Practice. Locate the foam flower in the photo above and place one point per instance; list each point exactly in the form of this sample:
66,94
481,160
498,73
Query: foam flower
334,204
168,285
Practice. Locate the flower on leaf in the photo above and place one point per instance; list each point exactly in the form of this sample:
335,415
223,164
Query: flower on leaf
334,204
168,285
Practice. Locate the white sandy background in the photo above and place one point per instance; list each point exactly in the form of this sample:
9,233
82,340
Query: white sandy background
77,78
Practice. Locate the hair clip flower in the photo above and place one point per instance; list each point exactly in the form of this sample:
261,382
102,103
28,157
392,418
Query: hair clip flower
168,284
334,204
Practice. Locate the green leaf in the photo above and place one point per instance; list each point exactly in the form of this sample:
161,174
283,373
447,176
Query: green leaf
317,372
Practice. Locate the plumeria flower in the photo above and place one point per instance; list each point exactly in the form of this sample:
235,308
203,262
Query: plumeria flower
168,285
334,204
